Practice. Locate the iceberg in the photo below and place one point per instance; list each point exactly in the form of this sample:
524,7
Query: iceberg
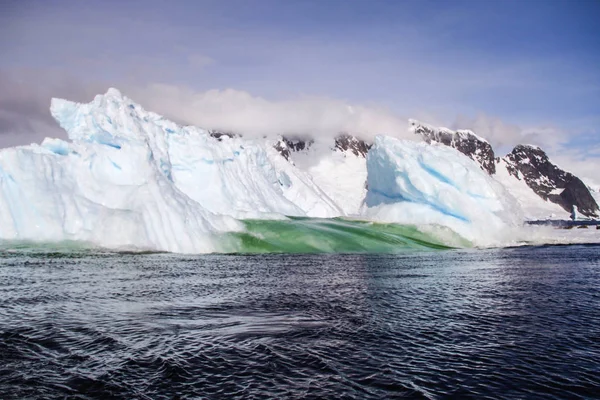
432,184
130,178
231,176
110,186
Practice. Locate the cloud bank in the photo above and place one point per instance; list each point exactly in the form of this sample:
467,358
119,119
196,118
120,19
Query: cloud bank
238,111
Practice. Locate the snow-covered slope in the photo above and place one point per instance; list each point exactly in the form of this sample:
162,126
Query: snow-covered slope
233,176
532,205
465,141
339,172
532,165
243,178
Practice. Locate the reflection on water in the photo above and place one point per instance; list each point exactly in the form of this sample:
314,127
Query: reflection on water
508,323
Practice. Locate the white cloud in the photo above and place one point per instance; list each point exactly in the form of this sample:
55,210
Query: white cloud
503,136
239,111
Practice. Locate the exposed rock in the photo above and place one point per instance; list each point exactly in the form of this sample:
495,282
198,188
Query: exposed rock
345,142
531,164
577,194
283,149
286,146
465,141
219,135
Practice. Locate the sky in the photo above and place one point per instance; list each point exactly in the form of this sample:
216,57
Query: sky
513,71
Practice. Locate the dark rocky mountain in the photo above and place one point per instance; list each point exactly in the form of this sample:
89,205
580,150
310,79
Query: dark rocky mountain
529,163
532,164
464,141
285,146
346,142
219,135
343,142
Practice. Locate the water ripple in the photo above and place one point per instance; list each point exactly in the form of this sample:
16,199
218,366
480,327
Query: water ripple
512,323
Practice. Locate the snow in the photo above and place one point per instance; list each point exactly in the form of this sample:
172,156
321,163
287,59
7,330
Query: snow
539,235
417,183
461,133
532,205
531,146
342,175
594,189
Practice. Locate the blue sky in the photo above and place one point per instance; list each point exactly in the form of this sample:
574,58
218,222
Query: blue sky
517,70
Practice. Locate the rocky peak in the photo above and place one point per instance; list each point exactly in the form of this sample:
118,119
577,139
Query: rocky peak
343,142
285,146
220,135
465,141
346,142
531,164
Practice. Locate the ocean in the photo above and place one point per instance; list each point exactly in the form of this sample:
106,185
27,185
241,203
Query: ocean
424,323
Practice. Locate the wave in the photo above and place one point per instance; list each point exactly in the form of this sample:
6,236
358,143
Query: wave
338,235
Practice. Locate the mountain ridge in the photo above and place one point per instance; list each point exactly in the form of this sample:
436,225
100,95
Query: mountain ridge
524,162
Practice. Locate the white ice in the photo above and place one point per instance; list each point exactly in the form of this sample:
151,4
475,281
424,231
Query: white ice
417,183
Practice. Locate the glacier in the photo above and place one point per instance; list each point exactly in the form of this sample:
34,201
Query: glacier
127,178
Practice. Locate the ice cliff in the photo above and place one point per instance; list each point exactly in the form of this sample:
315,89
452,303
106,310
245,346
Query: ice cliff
131,178
420,183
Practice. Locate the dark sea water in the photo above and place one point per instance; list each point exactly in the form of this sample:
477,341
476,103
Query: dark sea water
509,323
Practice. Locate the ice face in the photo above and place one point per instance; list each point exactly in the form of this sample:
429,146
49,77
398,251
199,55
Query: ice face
98,193
131,178
419,183
243,178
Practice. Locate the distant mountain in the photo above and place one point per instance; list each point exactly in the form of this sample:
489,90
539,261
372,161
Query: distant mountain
550,182
524,162
343,143
529,164
219,135
465,141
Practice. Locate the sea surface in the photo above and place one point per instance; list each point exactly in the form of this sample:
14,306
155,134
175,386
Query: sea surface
503,323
